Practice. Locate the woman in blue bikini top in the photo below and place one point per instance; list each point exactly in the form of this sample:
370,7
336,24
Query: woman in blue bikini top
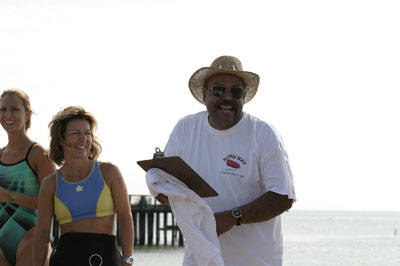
86,196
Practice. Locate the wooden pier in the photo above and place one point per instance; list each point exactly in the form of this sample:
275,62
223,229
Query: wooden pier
154,223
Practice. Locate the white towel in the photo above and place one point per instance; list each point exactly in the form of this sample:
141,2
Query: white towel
194,217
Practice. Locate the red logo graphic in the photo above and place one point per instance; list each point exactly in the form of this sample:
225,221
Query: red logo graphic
233,164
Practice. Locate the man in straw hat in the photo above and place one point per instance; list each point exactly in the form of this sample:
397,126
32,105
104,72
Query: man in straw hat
242,158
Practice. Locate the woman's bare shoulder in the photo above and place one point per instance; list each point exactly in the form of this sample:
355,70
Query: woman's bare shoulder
108,168
49,182
38,151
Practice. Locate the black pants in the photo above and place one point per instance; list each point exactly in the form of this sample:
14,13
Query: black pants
86,249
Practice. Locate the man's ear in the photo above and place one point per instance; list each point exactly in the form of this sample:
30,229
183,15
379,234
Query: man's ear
204,93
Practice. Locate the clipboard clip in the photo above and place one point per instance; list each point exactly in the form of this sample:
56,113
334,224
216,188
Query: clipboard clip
158,154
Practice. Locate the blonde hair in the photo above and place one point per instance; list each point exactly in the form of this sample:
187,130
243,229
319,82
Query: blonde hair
58,126
25,102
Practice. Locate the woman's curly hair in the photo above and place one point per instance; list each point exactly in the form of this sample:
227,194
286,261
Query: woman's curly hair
58,127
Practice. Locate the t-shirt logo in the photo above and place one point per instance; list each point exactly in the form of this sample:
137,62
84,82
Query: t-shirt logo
232,164
234,161
79,188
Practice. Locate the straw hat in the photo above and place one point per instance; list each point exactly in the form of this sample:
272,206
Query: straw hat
223,64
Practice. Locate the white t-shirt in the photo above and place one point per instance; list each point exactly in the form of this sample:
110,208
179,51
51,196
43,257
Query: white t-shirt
241,164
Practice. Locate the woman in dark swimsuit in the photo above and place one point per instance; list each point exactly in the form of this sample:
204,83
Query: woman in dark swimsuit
23,166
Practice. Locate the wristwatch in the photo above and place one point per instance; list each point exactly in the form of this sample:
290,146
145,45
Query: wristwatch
238,215
128,260
13,197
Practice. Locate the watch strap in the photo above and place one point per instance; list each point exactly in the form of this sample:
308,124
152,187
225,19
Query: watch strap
13,196
237,213
128,260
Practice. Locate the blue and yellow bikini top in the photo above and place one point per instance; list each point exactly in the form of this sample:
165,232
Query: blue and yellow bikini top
88,198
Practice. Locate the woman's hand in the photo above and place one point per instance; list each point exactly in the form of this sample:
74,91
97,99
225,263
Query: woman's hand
4,195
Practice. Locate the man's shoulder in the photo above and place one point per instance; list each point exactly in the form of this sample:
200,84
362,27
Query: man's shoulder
257,122
197,115
192,118
262,129
188,124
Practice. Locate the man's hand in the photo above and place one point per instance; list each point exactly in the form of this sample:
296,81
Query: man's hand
162,199
225,221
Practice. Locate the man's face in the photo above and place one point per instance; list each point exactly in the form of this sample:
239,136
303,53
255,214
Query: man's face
224,110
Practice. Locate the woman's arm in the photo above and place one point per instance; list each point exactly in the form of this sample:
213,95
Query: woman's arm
45,215
121,205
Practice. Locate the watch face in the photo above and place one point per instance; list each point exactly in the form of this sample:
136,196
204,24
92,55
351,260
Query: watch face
236,212
128,260
13,197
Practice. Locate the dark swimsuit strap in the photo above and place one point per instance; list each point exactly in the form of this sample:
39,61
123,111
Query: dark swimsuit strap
27,153
29,150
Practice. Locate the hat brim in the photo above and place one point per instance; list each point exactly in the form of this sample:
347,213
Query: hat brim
196,82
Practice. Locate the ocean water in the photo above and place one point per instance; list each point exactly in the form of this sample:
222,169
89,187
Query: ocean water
318,238
342,238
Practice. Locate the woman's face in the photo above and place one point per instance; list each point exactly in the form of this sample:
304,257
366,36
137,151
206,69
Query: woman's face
78,139
13,114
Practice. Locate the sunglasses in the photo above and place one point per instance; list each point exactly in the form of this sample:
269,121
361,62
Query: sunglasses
219,91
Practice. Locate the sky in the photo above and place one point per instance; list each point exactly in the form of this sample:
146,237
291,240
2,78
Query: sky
330,81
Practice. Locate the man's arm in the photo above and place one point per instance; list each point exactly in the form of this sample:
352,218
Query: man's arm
264,208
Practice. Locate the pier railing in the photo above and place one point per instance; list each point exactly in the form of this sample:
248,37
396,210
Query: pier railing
154,223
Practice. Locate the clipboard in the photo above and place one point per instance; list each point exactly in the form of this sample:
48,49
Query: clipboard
177,167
